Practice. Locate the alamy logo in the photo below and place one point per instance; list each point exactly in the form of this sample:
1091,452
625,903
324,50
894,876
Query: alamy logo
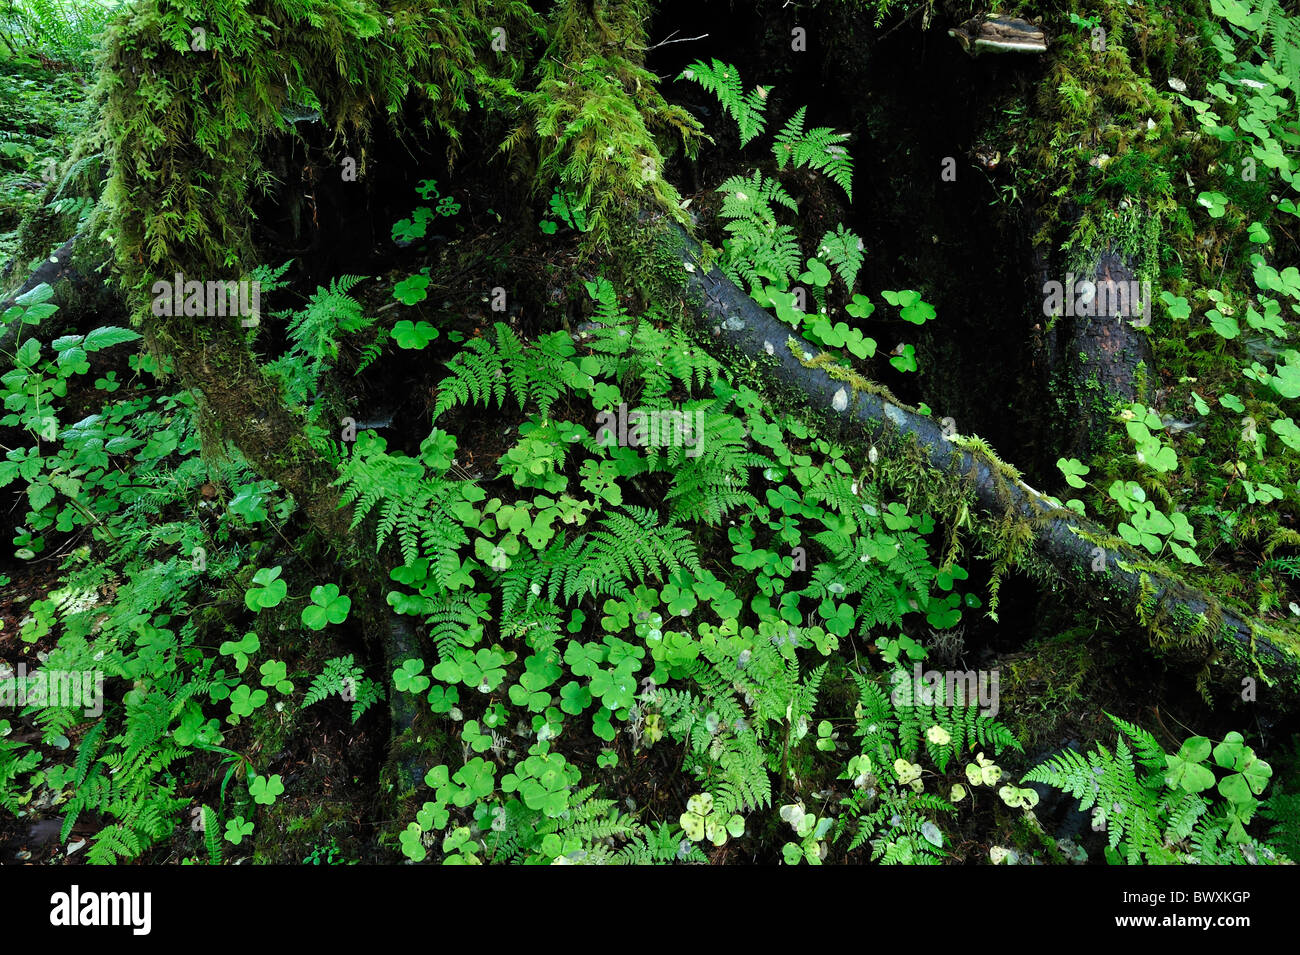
656,428
70,688
74,908
208,299
1104,299
947,688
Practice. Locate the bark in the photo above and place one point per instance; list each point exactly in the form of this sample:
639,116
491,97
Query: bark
732,320
83,299
1098,363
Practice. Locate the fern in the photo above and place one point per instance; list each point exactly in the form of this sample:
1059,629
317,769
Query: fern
723,81
113,842
417,507
843,249
456,620
1147,818
1282,809
211,835
371,352
14,762
651,359
484,371
820,149
1109,782
633,546
313,335
711,480
758,247
343,677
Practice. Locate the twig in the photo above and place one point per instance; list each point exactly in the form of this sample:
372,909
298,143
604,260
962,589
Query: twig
669,40
898,24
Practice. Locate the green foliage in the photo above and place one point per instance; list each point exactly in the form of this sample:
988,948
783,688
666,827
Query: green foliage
599,121
820,149
66,29
759,247
1157,808
1282,809
723,81
888,807
484,371
712,589
348,681
314,335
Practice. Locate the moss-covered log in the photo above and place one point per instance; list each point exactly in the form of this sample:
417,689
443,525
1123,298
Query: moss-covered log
84,297
1084,555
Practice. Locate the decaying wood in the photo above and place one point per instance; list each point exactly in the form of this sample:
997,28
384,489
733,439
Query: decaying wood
1100,354
83,299
733,321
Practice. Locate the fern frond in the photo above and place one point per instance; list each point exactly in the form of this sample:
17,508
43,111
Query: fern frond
843,249
723,81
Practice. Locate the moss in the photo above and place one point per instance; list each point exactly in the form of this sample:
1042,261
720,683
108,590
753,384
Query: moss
410,756
600,121
1047,683
1027,835
830,364
646,259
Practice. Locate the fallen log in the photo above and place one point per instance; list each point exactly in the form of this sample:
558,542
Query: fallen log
1078,552
84,300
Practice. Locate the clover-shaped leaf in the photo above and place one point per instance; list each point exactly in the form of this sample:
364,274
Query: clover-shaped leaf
443,698
1073,469
249,643
327,606
860,307
248,504
413,335
1250,775
1240,787
269,592
1214,202
243,701
818,274
616,688
1230,754
411,290
273,674
1176,305
938,735
410,677
433,815
412,846
264,789
574,698
905,358
473,737
698,821
1225,325
907,772
839,617
1018,798
237,829
982,772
